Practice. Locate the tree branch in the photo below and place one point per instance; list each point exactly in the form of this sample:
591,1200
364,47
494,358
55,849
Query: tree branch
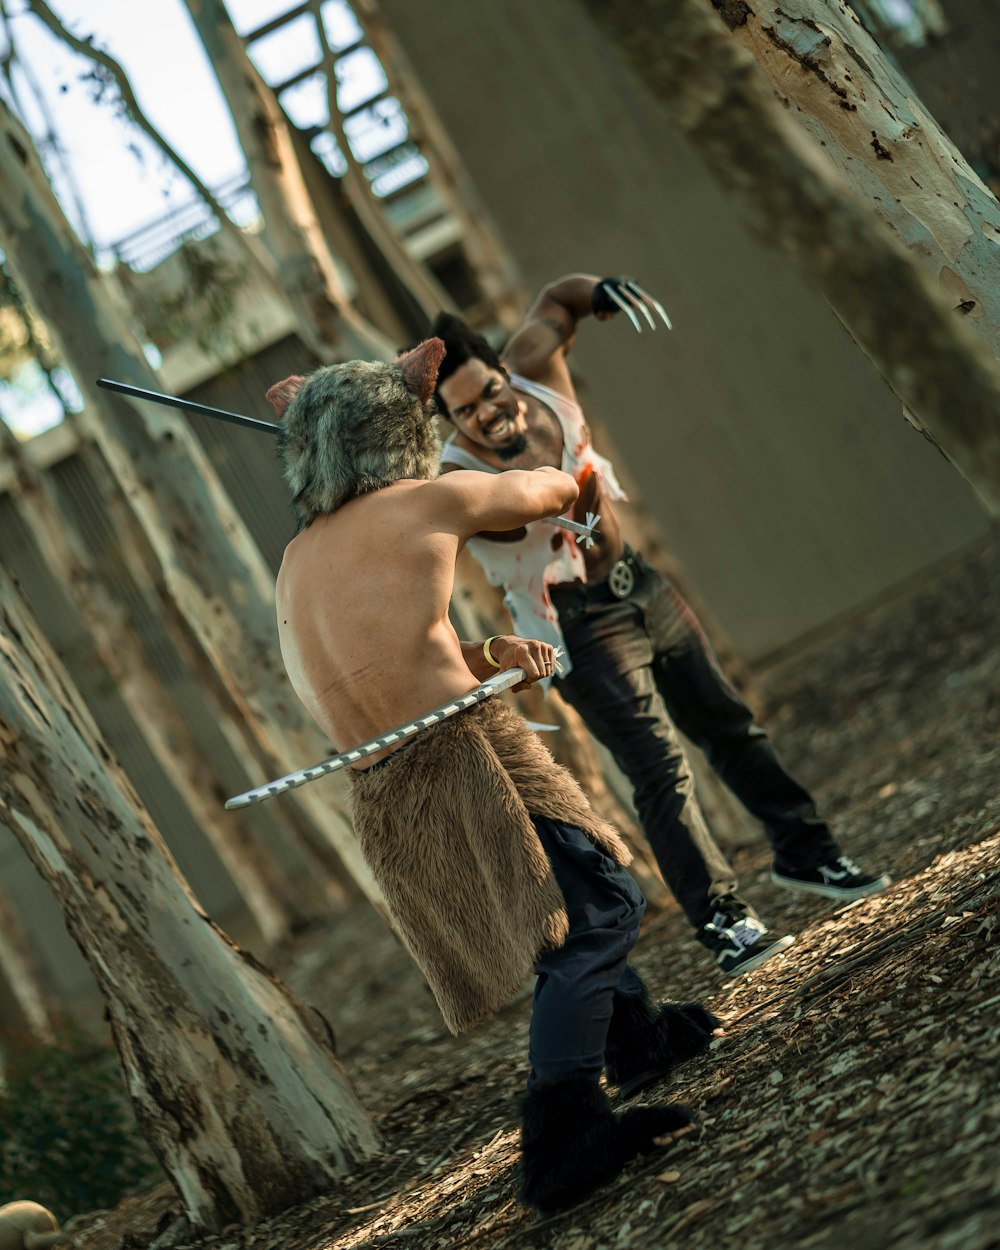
134,110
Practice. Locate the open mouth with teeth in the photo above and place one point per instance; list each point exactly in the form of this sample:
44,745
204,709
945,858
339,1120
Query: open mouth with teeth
499,427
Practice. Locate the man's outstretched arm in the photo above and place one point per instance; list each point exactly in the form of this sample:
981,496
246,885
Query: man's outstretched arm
467,502
538,350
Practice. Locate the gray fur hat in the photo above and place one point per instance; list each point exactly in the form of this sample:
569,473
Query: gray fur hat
353,428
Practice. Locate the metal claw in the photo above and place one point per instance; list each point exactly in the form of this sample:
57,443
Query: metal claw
628,293
587,539
651,299
612,294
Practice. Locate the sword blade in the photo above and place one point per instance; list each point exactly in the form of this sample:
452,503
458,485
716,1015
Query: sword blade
189,405
493,685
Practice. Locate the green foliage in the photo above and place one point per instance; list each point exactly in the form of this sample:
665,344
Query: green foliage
15,341
204,306
67,1138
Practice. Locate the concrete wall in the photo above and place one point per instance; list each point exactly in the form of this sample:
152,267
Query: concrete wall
772,453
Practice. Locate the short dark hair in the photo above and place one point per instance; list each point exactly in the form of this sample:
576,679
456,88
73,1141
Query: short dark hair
461,344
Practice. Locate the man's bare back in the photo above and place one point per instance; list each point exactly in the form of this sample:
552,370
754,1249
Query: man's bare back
362,596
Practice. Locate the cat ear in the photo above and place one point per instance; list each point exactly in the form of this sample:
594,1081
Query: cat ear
420,368
281,394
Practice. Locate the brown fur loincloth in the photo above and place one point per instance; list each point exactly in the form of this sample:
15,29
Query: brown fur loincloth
446,831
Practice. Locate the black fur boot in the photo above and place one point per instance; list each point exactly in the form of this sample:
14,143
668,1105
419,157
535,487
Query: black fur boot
571,1140
646,1041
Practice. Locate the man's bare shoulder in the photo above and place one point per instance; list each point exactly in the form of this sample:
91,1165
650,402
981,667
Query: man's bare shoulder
453,483
460,500
435,496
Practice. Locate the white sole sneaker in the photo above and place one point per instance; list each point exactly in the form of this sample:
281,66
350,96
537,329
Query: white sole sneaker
832,890
755,961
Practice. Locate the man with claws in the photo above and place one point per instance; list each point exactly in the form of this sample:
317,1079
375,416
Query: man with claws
638,665
489,856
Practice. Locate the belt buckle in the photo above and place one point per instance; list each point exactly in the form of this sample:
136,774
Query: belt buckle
621,579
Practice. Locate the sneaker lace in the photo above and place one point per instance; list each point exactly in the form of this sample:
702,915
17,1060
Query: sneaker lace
742,932
747,932
842,866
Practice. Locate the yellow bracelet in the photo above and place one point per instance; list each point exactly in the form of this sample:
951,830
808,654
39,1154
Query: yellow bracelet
486,650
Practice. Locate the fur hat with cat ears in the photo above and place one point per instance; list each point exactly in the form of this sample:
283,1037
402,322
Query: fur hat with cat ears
354,428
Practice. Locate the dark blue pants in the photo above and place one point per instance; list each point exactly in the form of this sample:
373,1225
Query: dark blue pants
576,983
642,666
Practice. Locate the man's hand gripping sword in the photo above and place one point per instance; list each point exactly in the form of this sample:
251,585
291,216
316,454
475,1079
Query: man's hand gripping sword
493,685
624,294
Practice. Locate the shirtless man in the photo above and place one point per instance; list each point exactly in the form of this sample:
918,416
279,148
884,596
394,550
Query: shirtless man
638,665
489,857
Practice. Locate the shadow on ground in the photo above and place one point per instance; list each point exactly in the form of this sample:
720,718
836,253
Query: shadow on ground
854,1096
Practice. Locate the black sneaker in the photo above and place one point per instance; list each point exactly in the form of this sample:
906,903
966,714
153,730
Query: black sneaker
841,878
739,943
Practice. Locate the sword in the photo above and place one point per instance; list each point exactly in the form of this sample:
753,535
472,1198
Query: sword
493,685
585,532
188,405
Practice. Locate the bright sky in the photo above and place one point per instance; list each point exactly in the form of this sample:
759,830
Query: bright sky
123,187
122,183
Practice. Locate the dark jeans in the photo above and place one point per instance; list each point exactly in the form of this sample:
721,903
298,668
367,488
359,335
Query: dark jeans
642,666
576,983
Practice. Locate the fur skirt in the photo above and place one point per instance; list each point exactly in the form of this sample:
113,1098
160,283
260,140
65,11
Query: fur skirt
446,831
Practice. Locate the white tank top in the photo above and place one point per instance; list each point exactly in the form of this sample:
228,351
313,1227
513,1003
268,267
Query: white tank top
546,555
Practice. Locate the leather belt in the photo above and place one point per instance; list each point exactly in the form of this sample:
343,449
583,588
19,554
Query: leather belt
620,581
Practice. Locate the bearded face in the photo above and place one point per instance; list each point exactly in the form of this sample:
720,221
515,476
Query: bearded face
354,428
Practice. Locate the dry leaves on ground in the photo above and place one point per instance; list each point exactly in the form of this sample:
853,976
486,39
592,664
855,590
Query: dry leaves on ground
854,1096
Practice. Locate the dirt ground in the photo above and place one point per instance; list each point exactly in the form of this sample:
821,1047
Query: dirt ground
854,1097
